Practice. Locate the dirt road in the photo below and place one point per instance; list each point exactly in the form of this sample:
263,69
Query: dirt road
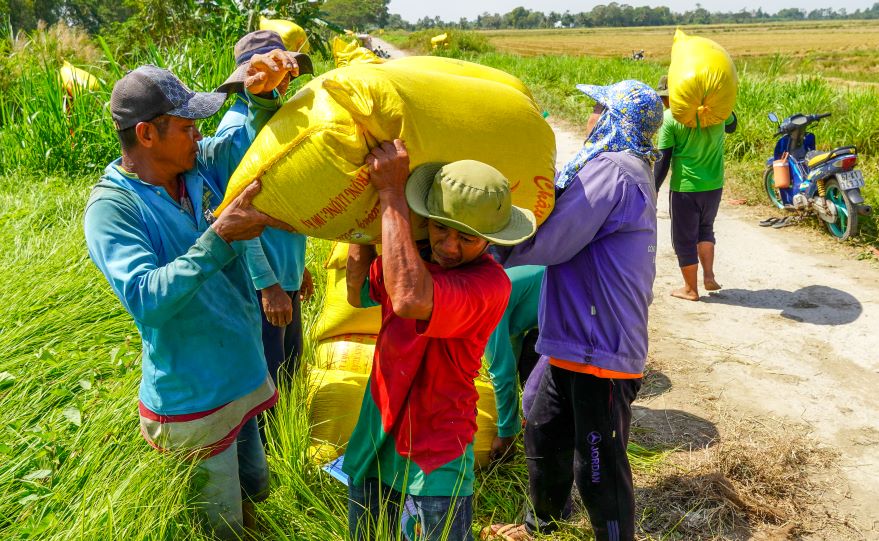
794,334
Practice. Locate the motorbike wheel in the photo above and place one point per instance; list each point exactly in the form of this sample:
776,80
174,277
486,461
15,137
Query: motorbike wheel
846,224
771,190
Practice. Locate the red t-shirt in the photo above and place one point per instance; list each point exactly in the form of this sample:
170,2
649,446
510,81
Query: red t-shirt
423,372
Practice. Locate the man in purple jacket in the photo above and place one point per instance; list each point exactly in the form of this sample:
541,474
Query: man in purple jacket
599,245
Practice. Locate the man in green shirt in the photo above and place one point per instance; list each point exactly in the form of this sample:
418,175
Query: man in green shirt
696,159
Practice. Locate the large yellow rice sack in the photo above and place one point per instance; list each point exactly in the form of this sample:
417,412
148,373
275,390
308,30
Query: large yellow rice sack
351,352
293,35
75,80
335,407
454,66
345,53
310,154
702,81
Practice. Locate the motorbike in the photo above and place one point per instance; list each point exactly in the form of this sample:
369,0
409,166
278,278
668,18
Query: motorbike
801,179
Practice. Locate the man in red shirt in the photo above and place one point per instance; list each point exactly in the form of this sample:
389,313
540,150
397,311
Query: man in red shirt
412,447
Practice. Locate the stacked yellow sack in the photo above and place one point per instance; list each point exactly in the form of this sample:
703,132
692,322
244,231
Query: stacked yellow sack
702,81
343,361
345,53
310,154
76,80
293,35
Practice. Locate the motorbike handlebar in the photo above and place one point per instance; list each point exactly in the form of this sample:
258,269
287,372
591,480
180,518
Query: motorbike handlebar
822,115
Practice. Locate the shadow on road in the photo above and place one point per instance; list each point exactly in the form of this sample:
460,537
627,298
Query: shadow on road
818,305
672,429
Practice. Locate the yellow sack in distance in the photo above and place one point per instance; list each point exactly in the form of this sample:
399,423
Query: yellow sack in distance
76,80
293,35
351,352
486,422
310,154
702,81
345,53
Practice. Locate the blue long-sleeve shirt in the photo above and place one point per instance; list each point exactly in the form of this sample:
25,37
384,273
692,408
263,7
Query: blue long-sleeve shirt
189,293
279,256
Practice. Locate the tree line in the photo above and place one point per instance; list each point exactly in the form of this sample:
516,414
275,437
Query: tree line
165,18
619,15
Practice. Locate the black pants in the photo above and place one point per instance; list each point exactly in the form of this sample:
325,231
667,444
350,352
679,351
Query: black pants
593,454
692,222
282,347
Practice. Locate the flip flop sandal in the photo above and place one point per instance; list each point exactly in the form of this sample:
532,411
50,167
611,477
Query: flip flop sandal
784,222
770,221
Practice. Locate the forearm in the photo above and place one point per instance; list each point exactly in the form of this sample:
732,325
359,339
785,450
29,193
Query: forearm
157,294
406,278
502,369
360,257
258,266
660,168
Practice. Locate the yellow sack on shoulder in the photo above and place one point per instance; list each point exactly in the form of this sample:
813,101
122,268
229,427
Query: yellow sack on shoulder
310,154
293,35
702,81
345,53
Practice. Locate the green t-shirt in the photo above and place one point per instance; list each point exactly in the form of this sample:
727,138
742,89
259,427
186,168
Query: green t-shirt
697,155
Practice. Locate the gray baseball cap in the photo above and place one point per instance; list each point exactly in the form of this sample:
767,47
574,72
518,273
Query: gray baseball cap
258,42
150,91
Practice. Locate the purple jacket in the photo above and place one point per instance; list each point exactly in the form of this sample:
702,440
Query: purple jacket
599,245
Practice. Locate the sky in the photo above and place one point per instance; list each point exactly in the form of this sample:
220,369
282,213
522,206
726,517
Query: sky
452,10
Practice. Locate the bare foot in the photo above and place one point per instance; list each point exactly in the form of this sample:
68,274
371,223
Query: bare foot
711,284
685,293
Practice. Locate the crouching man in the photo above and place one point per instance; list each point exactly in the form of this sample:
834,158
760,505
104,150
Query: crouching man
411,453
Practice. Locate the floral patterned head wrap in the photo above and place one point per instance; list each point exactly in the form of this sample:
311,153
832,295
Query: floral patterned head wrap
632,114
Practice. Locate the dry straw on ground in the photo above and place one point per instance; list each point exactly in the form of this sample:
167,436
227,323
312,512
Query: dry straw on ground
762,479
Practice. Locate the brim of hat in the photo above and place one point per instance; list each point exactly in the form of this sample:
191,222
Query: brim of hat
597,93
662,93
200,105
235,82
522,224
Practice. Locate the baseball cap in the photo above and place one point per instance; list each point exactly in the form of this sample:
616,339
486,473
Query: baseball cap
150,91
472,197
254,43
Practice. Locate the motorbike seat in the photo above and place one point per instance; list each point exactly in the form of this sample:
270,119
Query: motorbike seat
823,157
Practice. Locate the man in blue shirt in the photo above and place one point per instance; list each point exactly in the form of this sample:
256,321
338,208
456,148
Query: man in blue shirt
276,261
149,228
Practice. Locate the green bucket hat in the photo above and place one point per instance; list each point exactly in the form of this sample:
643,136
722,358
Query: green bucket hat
472,197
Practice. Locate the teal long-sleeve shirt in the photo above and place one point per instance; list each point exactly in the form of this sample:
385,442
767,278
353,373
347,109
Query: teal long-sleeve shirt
278,256
188,291
505,344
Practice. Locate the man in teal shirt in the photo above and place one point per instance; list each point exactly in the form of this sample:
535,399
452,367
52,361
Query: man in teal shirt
696,158
149,228
276,261
504,349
